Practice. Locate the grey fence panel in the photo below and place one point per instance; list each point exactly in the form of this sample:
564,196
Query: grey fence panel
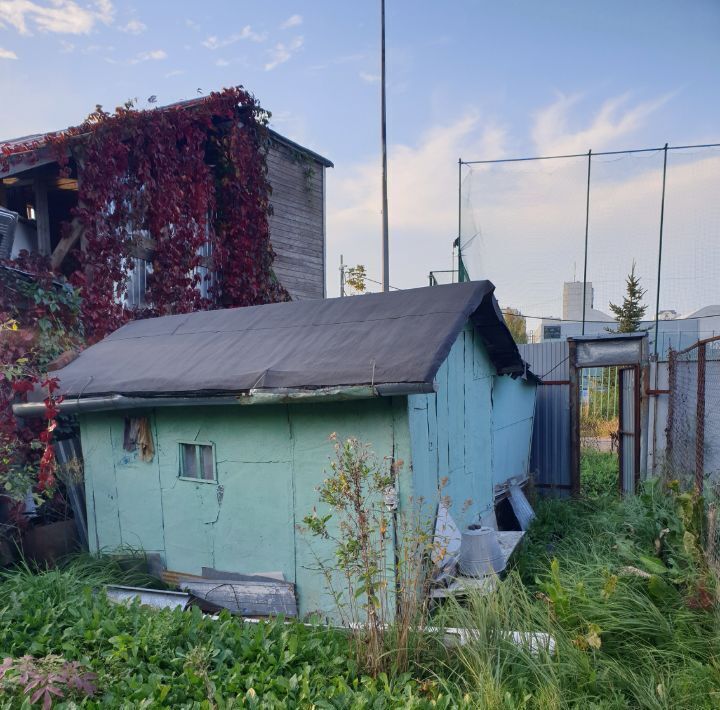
550,455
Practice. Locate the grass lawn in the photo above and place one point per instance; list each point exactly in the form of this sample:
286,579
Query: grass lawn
618,585
599,472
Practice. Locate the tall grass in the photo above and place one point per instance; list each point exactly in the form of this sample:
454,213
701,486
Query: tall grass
624,632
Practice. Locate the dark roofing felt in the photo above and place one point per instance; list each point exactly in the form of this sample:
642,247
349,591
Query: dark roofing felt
398,337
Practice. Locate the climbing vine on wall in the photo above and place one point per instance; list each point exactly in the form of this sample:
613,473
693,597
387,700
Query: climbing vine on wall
187,185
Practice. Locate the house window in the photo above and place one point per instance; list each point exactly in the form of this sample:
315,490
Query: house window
197,462
551,332
136,287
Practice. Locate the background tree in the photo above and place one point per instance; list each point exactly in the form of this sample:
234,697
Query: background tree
355,277
630,313
516,324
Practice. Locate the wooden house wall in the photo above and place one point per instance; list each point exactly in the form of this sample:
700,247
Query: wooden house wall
475,431
513,415
297,224
269,459
451,432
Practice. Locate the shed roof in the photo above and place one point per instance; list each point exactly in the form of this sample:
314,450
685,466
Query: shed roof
375,339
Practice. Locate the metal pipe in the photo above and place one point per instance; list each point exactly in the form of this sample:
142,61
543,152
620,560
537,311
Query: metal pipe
459,234
660,243
587,226
115,402
385,244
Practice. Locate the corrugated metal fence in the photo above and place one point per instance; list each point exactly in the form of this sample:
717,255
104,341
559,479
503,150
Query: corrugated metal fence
550,456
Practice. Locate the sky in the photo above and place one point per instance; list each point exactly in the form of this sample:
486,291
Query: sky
471,79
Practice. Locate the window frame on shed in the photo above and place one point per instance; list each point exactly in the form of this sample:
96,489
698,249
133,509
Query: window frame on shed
199,462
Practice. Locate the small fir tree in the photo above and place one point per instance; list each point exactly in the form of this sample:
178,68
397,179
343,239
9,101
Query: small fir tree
630,314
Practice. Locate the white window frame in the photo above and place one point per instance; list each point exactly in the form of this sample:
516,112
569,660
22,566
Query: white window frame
198,459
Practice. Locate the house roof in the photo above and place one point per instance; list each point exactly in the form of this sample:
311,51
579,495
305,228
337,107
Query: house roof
375,339
39,155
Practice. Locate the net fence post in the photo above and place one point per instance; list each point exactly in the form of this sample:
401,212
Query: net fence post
700,425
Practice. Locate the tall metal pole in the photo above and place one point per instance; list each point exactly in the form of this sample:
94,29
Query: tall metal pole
660,245
458,240
342,276
385,239
587,227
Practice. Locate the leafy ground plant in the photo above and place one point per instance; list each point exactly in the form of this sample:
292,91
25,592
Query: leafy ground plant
182,659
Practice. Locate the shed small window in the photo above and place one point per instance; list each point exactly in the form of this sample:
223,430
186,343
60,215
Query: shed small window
197,461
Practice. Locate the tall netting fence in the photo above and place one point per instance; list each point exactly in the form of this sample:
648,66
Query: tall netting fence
533,226
692,454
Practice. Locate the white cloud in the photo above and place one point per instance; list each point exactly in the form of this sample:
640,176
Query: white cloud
613,120
66,47
133,27
292,21
222,63
281,52
174,72
149,56
529,217
422,184
247,33
7,54
369,78
152,55
60,16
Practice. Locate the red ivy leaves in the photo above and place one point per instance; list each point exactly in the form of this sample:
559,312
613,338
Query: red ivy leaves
172,180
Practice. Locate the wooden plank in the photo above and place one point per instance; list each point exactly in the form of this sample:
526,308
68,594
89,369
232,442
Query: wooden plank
42,217
245,598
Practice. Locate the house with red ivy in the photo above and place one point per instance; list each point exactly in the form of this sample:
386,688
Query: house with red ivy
274,187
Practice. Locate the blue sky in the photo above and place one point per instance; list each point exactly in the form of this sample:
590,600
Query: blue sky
476,79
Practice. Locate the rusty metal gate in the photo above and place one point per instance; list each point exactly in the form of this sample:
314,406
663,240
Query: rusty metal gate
629,429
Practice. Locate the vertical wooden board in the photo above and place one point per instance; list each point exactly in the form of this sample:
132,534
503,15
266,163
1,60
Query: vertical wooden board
432,427
443,423
423,477
138,494
456,407
98,462
478,426
370,421
513,413
255,528
100,495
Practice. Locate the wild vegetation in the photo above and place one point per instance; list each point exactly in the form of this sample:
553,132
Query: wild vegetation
609,605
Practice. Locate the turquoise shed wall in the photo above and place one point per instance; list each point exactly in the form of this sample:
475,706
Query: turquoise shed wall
475,431
451,432
269,459
513,415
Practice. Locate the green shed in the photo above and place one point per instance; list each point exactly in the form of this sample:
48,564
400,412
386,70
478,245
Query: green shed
205,435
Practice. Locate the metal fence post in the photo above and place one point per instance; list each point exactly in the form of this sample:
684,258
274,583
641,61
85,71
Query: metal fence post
672,355
700,419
